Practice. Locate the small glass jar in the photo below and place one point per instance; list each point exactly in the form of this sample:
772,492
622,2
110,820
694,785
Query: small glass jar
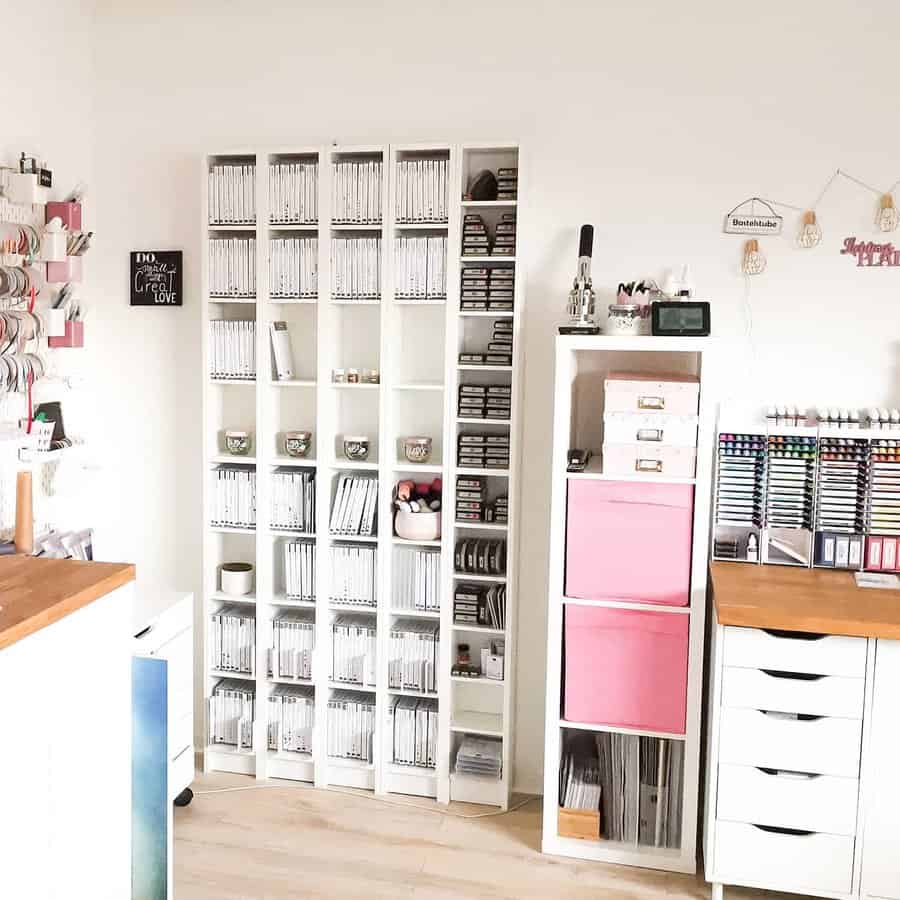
624,319
352,376
369,376
338,376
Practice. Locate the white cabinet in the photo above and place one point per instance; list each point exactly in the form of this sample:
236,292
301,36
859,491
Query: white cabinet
881,834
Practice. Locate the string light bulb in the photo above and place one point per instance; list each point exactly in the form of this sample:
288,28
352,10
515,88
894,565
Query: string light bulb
810,230
754,262
887,218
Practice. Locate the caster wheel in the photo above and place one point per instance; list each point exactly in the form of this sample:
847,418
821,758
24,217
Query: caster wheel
184,798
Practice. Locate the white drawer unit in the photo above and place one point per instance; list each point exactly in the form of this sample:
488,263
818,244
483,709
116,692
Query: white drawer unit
169,635
794,860
755,648
650,428
821,803
821,746
793,692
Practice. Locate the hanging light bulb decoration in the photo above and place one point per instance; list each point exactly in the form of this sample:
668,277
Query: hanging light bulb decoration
810,231
887,218
754,262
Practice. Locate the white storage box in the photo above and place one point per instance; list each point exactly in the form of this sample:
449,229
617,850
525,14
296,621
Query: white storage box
652,392
53,246
651,459
24,188
650,428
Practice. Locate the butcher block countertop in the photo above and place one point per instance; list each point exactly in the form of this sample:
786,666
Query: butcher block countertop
35,593
819,601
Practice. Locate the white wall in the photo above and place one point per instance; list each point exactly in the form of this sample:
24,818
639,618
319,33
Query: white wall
650,120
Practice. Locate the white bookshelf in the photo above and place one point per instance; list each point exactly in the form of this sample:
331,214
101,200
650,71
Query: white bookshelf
414,344
581,364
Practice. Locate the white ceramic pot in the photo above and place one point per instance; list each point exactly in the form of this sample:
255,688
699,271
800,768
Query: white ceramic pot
237,578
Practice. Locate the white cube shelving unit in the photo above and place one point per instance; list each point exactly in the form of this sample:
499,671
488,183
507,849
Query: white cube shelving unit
414,343
581,365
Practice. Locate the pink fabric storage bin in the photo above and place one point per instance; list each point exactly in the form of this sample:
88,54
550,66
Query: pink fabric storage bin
626,668
629,541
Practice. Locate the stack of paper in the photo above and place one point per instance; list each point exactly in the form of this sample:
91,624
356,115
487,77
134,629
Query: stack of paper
294,193
291,718
422,190
413,656
232,267
480,756
353,571
232,713
293,642
300,570
356,192
294,499
293,268
355,505
351,725
353,650
231,195
417,579
415,732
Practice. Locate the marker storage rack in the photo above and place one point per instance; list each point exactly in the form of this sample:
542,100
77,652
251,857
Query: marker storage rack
356,249
822,496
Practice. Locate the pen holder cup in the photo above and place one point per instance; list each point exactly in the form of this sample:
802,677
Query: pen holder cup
53,246
24,188
73,336
70,269
70,213
55,322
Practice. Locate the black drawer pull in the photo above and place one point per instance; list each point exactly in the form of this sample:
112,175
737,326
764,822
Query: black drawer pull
796,635
795,832
787,773
791,717
794,676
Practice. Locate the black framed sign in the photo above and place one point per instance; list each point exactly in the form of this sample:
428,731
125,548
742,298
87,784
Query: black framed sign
156,278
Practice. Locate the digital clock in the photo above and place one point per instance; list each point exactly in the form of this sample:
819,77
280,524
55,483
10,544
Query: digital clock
680,318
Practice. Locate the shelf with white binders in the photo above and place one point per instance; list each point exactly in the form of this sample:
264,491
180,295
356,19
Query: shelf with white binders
353,252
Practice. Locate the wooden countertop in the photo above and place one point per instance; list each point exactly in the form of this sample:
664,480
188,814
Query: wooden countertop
35,593
794,599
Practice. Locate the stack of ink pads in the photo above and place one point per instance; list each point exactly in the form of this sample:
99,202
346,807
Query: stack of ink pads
501,287
485,401
884,488
790,480
470,496
482,451
474,236
473,295
505,236
841,501
480,604
507,183
497,511
739,495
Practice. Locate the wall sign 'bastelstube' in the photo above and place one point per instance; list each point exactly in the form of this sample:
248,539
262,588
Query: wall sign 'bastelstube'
871,254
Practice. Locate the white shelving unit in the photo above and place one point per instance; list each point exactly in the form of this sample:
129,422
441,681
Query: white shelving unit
581,364
414,344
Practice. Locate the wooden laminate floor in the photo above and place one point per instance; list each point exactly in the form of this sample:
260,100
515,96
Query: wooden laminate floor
290,841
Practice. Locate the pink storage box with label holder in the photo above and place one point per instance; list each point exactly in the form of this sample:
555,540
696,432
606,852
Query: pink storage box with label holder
657,392
629,541
626,668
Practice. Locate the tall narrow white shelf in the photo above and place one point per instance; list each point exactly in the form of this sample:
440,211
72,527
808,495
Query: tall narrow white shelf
414,343
581,364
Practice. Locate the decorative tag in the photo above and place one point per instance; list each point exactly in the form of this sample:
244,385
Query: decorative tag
737,222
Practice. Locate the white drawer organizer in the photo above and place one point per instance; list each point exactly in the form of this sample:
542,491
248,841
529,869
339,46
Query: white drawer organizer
799,794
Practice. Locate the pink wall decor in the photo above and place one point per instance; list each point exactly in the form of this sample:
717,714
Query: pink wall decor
871,254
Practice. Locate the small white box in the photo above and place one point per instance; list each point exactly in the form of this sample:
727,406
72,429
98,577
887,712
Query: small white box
54,322
24,188
649,459
652,392
649,428
53,246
